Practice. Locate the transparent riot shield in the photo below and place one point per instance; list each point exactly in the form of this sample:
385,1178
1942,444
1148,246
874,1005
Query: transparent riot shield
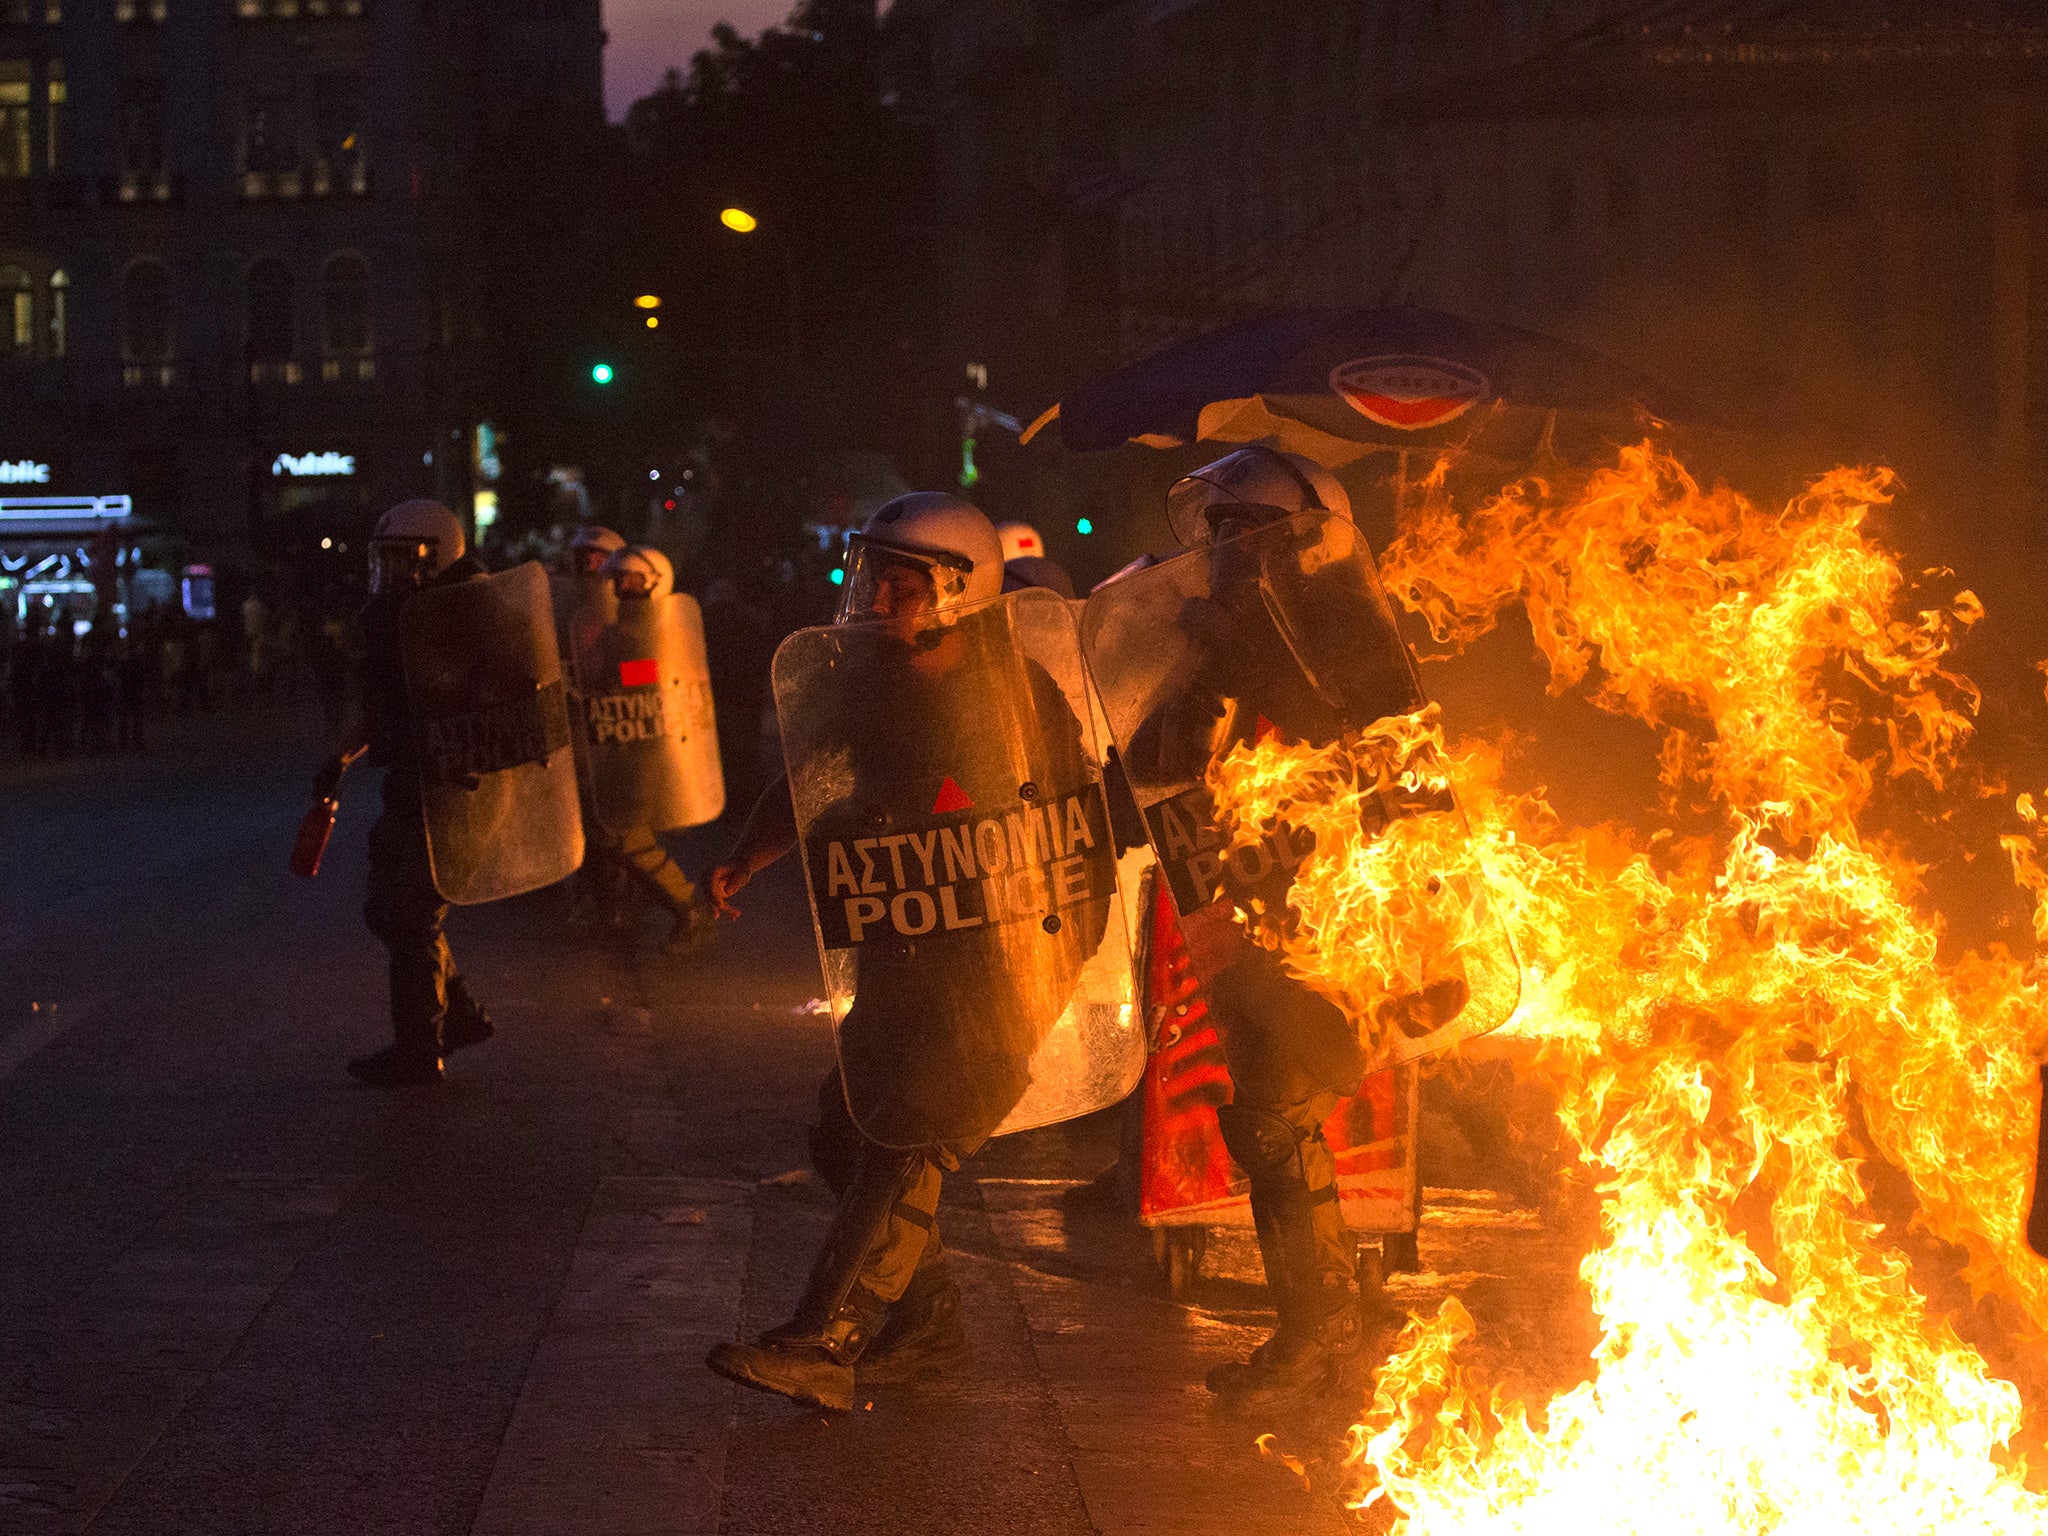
949,805
583,606
1268,668
491,733
650,743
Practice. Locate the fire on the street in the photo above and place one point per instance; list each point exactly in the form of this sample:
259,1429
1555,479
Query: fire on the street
1741,1014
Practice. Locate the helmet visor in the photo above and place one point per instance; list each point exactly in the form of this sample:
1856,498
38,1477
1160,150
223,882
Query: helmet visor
1200,510
890,581
397,565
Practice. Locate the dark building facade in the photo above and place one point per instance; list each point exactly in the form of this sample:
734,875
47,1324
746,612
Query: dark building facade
232,283
1824,220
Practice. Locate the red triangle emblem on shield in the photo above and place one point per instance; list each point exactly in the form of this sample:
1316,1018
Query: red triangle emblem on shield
951,798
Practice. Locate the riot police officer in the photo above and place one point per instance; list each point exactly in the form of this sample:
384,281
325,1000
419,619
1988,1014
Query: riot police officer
642,576
935,1050
416,545
585,602
1292,1054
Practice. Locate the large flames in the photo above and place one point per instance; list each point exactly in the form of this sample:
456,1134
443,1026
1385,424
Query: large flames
1746,1026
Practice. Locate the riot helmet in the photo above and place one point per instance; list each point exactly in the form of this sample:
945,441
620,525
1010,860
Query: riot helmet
1021,541
591,547
413,543
638,570
924,552
1251,486
1036,571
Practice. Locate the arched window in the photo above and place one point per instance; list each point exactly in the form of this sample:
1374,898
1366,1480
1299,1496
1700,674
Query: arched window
270,313
17,313
345,307
146,313
60,313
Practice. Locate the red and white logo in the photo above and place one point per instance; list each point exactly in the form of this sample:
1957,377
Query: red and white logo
1408,392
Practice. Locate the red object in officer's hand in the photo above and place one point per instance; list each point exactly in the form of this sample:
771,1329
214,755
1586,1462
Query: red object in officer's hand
312,840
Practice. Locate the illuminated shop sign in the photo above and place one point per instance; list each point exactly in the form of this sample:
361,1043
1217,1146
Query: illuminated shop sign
23,472
307,465
67,509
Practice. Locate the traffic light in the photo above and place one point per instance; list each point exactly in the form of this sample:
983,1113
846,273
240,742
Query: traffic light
601,373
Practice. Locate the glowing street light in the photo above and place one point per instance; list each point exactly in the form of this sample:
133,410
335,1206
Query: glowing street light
600,373
648,301
653,321
741,222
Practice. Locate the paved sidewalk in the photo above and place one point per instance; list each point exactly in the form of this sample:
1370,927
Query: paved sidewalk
239,1294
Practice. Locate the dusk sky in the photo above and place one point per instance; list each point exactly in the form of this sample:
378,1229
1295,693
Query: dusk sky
649,36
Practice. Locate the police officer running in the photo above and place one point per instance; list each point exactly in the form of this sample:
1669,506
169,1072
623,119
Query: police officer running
937,1046
641,576
416,545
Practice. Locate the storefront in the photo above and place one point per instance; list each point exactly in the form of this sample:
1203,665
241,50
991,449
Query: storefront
48,549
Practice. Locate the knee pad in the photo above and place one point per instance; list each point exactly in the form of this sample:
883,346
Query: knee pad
1262,1142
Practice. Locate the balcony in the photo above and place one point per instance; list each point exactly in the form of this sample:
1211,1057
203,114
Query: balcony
351,178
268,186
146,187
297,10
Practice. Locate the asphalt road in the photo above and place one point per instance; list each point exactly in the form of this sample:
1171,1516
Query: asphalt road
240,1294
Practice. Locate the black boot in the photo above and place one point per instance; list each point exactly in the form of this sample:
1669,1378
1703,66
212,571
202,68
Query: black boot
1316,1348
465,1023
1314,1353
419,1001
397,1066
802,1362
810,1358
923,1333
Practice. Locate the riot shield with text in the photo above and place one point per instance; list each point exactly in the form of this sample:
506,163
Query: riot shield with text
948,797
584,605
491,732
1266,672
650,742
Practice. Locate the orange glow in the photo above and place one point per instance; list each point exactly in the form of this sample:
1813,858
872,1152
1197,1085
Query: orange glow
1744,1009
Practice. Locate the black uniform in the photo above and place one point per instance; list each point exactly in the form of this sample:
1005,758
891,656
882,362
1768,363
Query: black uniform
944,1023
402,907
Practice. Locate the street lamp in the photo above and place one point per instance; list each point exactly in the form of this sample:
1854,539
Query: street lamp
741,222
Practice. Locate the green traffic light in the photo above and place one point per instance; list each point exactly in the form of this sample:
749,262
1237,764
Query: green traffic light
1083,526
601,373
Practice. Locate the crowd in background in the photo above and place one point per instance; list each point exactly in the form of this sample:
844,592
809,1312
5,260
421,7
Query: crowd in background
72,684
